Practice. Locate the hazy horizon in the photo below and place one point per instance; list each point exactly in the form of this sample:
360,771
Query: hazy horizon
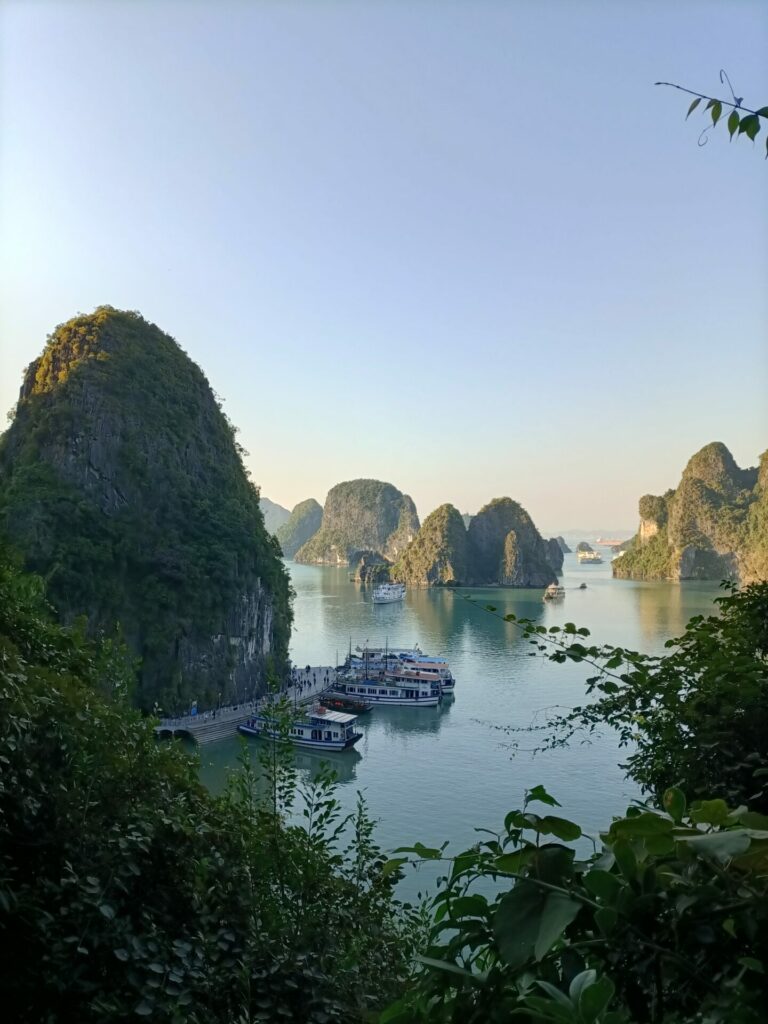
467,249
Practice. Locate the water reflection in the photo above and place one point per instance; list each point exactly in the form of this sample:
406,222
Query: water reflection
409,720
344,764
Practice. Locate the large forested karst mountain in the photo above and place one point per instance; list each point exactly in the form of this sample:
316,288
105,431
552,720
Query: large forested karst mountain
714,525
438,554
274,515
505,547
121,484
301,526
362,515
502,547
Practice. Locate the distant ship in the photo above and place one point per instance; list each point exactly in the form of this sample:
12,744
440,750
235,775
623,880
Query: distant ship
608,543
386,593
589,557
554,592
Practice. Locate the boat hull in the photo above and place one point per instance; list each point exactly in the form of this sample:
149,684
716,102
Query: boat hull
379,700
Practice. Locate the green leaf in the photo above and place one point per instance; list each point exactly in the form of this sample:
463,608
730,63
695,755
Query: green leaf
674,804
121,954
445,965
144,1009
625,858
603,884
717,109
692,107
560,827
733,123
710,812
543,797
392,865
595,999
644,824
530,920
719,845
751,964
514,862
554,993
107,911
750,126
580,982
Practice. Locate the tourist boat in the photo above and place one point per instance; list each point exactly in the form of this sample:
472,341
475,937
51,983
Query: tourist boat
317,728
393,689
589,557
373,662
387,593
554,592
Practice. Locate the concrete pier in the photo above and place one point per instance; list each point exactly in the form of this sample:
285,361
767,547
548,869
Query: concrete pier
303,687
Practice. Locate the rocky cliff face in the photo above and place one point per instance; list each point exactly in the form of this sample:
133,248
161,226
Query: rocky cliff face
362,515
274,515
713,526
506,548
121,483
562,545
438,554
302,525
555,554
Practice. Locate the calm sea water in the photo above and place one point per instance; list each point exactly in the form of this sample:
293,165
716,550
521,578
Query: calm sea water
435,774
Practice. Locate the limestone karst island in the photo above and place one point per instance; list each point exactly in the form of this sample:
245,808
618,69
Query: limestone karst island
383,513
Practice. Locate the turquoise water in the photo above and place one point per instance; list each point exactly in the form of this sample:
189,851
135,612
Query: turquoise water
435,774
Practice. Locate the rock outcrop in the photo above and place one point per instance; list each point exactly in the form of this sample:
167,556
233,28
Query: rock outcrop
301,526
563,546
555,554
362,515
274,515
121,483
438,554
505,548
714,525
583,546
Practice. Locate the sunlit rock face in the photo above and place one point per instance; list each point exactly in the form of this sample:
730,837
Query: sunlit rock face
714,525
121,483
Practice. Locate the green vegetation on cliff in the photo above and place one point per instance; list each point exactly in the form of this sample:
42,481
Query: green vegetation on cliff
438,554
121,483
506,548
303,524
362,515
713,526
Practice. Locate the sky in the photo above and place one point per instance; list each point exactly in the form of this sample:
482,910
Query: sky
465,247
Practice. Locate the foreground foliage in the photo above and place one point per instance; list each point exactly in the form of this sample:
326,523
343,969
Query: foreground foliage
126,889
665,921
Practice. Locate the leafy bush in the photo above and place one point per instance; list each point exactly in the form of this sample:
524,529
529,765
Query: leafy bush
126,889
665,921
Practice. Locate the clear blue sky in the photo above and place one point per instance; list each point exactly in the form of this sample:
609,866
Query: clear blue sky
464,247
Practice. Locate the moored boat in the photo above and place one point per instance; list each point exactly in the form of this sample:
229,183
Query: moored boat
388,689
317,728
387,593
554,592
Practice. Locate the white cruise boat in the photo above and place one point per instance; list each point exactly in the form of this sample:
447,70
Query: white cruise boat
390,689
589,557
387,593
317,728
373,662
554,592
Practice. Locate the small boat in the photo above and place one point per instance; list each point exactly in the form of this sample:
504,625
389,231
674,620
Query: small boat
582,586
317,728
554,592
353,706
387,593
376,662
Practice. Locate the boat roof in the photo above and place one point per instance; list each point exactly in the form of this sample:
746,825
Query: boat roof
341,717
